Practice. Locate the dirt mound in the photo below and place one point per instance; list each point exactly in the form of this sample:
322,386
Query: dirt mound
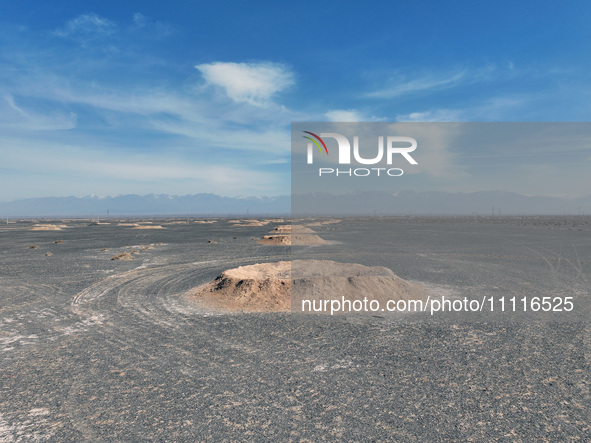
292,235
282,228
268,287
48,227
148,227
275,240
295,229
256,288
248,225
293,239
321,280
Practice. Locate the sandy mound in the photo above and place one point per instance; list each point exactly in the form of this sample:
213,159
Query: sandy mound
293,239
48,227
292,235
268,286
296,229
149,227
275,240
205,221
127,224
328,280
256,288
123,256
282,228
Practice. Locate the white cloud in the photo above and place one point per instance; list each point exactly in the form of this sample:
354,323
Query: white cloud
342,115
253,83
86,27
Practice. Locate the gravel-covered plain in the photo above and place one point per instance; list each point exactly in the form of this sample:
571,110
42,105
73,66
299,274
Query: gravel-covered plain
94,349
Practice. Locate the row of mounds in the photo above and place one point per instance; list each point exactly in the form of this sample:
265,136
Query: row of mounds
284,285
286,235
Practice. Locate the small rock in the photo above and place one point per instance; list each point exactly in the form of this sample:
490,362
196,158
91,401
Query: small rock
123,256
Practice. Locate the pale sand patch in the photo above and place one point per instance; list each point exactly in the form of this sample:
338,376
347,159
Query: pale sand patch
127,224
48,227
205,221
149,227
268,286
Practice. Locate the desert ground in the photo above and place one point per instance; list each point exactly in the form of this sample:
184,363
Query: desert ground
102,337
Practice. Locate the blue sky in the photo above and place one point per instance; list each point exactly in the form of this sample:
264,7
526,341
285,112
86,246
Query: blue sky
109,98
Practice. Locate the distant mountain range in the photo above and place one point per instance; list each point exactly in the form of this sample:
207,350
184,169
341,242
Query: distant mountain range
146,205
437,203
323,204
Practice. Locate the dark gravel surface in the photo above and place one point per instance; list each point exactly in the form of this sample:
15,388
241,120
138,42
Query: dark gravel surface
93,349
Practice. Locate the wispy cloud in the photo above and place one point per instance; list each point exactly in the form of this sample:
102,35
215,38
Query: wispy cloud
253,83
111,137
86,27
15,117
400,84
434,115
155,27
